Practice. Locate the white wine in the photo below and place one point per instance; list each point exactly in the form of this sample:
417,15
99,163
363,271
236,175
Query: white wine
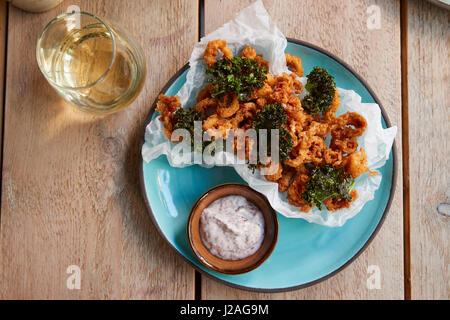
86,60
94,68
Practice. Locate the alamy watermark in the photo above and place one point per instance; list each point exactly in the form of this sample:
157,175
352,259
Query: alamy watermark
253,147
74,280
74,19
374,19
374,280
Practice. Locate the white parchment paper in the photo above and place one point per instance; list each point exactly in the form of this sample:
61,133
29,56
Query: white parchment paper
253,26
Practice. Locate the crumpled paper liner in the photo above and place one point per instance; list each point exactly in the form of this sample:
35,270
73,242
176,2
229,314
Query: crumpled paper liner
253,26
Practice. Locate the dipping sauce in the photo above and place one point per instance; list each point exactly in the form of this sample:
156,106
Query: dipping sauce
232,228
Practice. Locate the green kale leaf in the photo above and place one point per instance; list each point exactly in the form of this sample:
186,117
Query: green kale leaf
239,75
185,119
321,87
272,116
327,182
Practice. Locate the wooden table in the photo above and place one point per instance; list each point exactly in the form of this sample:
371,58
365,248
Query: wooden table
70,184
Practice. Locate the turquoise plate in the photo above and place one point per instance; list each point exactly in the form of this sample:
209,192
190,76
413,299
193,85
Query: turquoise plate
305,253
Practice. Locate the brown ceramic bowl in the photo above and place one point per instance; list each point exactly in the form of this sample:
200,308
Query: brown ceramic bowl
233,266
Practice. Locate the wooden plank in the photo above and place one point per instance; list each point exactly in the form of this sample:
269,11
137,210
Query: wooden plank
3,28
341,28
70,185
429,116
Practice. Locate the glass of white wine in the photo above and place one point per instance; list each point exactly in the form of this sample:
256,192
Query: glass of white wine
90,62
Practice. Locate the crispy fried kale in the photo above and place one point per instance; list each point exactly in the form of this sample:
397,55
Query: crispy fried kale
327,182
239,75
321,87
272,116
185,119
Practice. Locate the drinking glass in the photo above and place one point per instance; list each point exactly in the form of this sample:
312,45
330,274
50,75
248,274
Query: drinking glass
90,62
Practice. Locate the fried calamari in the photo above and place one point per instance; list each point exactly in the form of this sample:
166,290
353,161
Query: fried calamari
242,95
212,50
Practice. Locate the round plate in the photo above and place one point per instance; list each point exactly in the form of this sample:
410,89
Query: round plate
441,3
305,253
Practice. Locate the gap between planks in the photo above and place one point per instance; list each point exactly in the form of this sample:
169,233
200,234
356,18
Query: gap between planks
201,33
4,21
405,149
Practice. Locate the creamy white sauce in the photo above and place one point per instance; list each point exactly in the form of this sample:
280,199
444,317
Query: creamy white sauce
232,228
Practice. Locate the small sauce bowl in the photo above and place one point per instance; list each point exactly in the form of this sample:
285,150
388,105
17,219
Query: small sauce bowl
233,266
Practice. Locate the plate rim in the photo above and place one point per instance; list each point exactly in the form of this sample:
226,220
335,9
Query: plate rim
440,3
307,284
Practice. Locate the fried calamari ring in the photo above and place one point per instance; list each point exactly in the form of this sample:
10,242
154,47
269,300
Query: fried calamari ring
334,204
329,115
345,130
294,128
205,104
261,102
295,191
287,175
294,101
346,146
349,125
214,124
284,87
167,106
205,93
250,53
316,128
244,146
295,64
308,150
262,92
270,80
356,163
332,157
212,50
244,116
277,175
296,113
